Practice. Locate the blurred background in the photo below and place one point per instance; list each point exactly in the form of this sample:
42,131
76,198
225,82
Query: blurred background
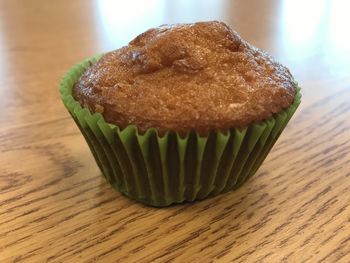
40,39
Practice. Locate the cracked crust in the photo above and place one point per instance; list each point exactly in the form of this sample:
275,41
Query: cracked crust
183,77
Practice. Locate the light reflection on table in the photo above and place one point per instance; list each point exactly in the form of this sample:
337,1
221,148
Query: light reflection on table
121,21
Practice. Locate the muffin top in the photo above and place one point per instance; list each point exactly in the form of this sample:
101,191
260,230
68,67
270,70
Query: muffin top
183,77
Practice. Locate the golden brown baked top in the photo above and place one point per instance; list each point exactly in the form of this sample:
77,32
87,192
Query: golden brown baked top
199,76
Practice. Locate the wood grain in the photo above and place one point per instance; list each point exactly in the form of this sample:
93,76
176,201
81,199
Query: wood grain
56,207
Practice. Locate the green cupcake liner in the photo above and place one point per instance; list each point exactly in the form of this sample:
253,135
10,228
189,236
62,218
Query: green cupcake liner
161,170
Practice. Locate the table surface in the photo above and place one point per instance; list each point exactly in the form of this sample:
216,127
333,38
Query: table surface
55,205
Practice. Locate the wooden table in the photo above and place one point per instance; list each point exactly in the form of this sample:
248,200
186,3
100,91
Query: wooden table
56,207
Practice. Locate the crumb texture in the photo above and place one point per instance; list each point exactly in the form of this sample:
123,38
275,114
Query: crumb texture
183,77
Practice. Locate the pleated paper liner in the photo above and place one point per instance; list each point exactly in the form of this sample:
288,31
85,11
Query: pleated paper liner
161,170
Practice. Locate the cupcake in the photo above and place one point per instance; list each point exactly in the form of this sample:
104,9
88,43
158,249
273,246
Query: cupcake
181,113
